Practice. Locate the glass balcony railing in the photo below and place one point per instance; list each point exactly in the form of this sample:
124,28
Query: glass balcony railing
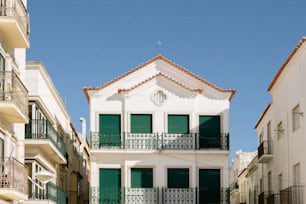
49,192
158,141
42,129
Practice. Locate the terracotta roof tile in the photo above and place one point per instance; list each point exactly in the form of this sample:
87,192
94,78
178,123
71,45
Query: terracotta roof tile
286,63
159,56
198,90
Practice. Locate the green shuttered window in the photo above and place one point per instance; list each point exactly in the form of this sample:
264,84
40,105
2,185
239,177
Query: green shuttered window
110,185
109,129
209,127
142,178
178,178
141,123
178,124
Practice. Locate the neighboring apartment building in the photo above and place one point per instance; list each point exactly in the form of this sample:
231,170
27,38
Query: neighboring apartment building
239,164
159,134
281,134
14,39
78,156
45,148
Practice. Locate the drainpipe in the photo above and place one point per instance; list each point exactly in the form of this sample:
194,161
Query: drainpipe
83,121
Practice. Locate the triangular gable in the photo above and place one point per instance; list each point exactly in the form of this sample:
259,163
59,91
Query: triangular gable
159,57
198,90
282,68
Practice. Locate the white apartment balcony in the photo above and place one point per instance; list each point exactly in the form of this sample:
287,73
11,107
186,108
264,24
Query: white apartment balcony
265,153
14,23
13,180
155,195
42,137
160,141
13,98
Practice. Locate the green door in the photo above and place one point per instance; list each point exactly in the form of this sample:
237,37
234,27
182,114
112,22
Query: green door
141,123
178,124
209,127
109,130
178,178
209,186
110,186
142,178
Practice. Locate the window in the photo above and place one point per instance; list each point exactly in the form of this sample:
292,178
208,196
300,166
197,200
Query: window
178,178
296,117
142,178
178,124
296,174
269,181
1,145
269,130
280,182
280,129
141,123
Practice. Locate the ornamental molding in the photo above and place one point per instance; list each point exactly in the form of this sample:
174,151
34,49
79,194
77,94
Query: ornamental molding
158,97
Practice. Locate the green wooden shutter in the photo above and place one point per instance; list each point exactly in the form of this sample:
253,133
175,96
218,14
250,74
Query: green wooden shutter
178,124
141,123
209,127
142,178
110,185
209,184
178,178
109,129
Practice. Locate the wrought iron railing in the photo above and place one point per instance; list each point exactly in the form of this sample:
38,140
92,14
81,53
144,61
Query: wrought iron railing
13,175
263,196
13,90
42,129
179,195
152,196
292,195
17,10
141,195
265,148
179,141
160,141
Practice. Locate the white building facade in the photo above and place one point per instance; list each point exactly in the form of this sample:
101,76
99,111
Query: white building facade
45,133
14,39
281,134
159,134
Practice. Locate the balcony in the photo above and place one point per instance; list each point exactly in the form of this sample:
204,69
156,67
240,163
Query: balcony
151,196
292,195
179,195
154,141
14,23
41,136
51,193
13,180
263,197
265,153
13,98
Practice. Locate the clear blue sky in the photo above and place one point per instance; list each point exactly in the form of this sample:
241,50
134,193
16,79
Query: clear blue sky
235,44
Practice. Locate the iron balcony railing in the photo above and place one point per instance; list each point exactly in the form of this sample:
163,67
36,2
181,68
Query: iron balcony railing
16,9
292,195
155,196
179,195
48,192
265,148
13,175
13,90
262,197
159,141
42,129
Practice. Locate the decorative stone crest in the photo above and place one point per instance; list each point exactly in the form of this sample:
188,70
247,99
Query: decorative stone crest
158,97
